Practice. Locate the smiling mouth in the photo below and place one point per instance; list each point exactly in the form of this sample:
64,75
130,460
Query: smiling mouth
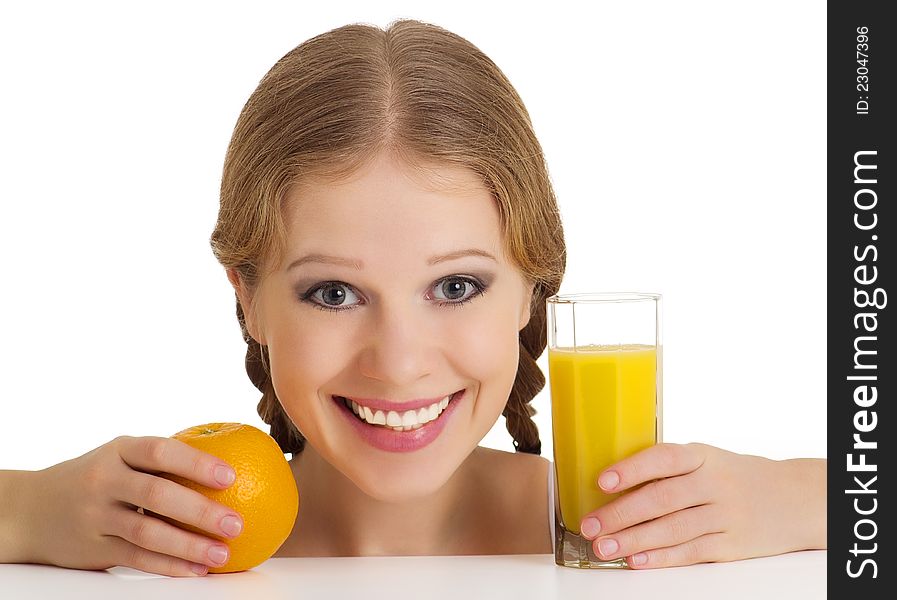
398,421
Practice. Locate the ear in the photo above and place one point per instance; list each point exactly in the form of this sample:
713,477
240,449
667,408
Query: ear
525,306
246,304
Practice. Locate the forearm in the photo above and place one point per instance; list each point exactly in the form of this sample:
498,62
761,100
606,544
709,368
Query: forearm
15,487
809,476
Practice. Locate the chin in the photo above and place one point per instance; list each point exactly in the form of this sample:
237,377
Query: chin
400,485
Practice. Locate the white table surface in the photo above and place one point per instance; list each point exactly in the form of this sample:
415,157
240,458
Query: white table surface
795,576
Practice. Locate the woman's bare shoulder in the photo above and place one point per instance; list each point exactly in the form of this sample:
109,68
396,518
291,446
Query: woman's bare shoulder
517,491
520,464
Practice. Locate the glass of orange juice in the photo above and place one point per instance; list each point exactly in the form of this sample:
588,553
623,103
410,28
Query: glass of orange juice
605,376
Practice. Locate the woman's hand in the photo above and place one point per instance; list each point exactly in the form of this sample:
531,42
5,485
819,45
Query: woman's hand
703,504
82,513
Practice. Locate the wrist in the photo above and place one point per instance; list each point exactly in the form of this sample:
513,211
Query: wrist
810,496
16,531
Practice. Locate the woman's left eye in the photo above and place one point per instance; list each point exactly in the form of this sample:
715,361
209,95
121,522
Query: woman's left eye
453,291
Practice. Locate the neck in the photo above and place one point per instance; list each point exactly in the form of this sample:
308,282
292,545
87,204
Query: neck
337,518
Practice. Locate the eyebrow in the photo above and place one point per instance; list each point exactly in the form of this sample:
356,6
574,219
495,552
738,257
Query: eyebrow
358,265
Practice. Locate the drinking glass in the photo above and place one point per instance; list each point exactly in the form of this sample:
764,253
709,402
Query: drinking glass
605,376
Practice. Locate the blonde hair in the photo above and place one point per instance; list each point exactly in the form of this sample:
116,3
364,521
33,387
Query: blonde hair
425,94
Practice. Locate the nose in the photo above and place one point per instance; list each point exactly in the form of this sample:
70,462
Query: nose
398,345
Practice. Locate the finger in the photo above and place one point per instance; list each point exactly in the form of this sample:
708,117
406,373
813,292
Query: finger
654,462
130,555
155,536
651,501
166,455
707,548
165,497
667,531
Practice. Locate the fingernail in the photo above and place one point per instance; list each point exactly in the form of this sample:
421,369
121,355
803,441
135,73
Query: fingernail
590,527
231,525
199,569
639,559
218,554
608,547
609,480
224,475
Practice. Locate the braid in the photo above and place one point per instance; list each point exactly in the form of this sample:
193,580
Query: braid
284,432
530,380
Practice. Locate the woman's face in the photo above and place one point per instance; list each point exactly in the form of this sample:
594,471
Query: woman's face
384,318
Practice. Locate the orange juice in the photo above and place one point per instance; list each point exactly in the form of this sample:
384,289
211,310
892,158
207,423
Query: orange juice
603,408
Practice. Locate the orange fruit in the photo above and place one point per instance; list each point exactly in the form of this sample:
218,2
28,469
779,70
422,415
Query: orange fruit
264,493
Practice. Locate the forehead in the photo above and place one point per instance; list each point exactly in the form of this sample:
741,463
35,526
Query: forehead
390,209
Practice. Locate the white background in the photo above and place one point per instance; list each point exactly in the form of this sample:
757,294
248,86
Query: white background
686,142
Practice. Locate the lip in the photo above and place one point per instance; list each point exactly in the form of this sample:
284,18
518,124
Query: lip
401,441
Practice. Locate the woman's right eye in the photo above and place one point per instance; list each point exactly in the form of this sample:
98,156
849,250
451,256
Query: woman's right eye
328,296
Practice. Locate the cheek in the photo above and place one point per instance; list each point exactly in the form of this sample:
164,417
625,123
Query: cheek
300,363
488,352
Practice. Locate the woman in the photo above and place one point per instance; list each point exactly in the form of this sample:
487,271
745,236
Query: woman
390,230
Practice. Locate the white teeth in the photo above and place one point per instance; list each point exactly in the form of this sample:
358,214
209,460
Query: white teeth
406,421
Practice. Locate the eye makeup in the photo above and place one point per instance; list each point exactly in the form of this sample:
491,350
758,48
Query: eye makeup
476,287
